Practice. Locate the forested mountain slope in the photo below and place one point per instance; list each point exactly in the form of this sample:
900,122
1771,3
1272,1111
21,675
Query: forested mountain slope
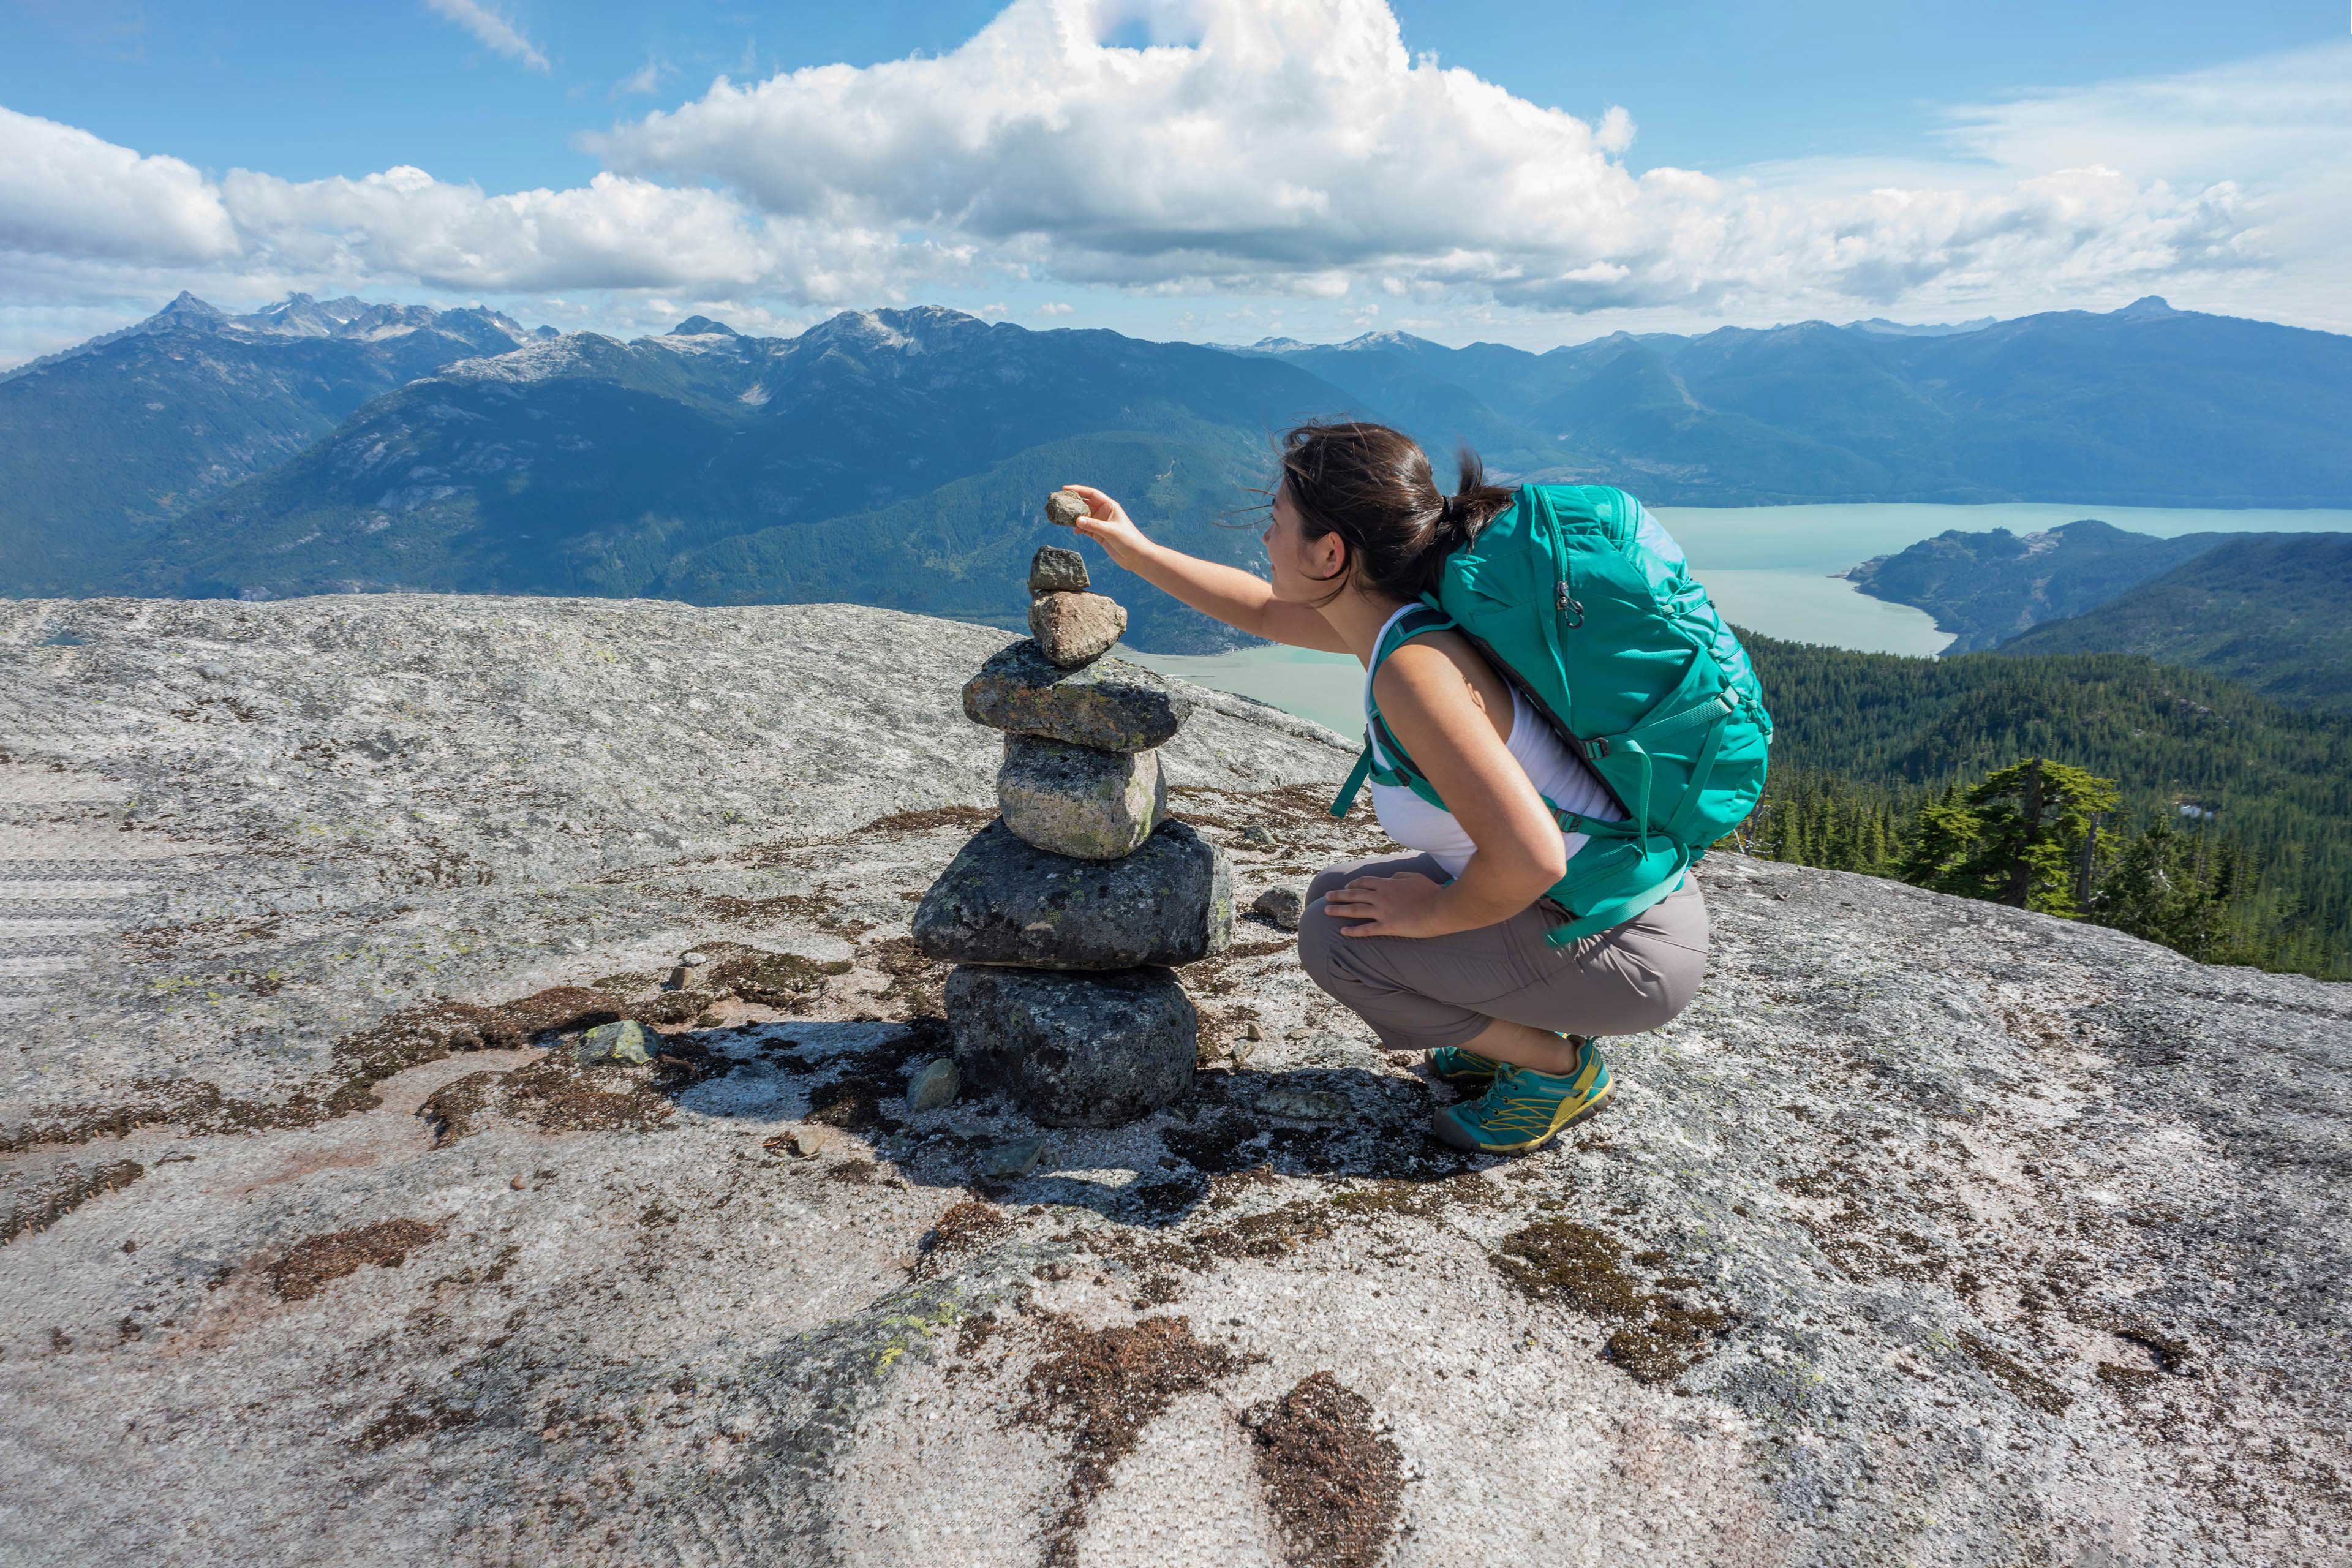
1983,587
591,465
101,444
2273,612
2275,781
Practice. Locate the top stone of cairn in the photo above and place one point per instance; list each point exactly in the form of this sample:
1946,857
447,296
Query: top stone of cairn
1054,570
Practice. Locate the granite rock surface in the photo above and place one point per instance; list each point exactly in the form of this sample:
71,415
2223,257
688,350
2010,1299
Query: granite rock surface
1934,1233
1075,1051
1075,801
1001,900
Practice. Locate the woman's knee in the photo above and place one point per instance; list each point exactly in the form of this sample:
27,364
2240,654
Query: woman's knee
1329,879
1318,941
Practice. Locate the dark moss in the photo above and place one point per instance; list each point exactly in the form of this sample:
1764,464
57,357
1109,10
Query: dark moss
1336,1486
45,1204
311,1264
2028,1386
417,1418
1655,1338
1104,1386
964,816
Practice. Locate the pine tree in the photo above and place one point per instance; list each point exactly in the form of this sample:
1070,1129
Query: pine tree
2031,819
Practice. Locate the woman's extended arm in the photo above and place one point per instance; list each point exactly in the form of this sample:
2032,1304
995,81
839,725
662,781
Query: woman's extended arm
1438,701
1232,595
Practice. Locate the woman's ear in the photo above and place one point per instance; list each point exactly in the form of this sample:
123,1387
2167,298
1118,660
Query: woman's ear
1326,558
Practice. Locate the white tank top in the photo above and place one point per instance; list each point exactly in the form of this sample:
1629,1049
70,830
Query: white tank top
1558,776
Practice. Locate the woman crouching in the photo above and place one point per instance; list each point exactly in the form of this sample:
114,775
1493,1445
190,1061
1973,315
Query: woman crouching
1444,950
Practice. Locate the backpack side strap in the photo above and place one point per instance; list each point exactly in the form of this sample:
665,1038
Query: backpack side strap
1419,621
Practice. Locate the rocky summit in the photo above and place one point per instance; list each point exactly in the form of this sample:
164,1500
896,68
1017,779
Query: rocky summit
1935,1233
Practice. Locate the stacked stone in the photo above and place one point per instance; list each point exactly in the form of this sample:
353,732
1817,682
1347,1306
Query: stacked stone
1065,914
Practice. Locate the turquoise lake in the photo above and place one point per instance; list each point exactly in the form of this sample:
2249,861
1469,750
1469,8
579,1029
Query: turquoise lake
1769,568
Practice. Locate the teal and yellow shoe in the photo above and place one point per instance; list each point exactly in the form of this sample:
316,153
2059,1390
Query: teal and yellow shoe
1455,1065
1525,1109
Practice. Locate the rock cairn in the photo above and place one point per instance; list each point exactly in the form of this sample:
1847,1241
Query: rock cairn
1065,915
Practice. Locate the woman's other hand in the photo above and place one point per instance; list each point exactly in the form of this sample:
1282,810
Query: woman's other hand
1109,526
1407,904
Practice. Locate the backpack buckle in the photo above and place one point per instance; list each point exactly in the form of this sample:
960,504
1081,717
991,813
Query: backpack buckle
1596,749
1568,607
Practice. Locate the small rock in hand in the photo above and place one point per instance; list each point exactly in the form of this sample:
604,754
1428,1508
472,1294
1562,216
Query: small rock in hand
1064,508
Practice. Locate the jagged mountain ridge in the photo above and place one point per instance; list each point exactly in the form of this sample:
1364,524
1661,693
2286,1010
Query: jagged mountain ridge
585,464
2143,405
104,442
581,463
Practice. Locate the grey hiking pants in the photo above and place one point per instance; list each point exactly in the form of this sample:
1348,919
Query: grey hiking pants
1420,993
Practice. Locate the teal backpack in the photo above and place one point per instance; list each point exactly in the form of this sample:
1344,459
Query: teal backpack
1585,604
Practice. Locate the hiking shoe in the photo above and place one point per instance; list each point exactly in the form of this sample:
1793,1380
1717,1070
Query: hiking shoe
1523,1110
1455,1065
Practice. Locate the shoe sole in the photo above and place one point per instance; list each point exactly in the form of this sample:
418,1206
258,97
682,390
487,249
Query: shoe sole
1450,1130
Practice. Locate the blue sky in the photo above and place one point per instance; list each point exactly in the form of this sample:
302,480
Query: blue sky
1557,171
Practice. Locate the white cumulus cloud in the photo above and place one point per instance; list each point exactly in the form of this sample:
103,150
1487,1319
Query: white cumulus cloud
1295,146
1279,150
64,191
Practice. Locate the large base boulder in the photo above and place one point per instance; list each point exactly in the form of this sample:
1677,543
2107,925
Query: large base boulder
1003,901
1077,801
1074,1050
1111,704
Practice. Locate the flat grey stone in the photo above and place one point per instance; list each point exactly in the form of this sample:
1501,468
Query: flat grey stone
1009,1162
1077,801
1073,629
934,1085
1075,1051
1003,901
1111,704
1064,508
1054,570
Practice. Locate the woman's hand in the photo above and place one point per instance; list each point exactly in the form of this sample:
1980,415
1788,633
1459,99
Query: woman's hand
1110,526
1407,904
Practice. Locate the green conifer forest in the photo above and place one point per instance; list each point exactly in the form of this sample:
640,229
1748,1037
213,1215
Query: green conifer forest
2164,802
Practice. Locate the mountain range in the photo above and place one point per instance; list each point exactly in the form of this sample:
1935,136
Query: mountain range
2270,611
102,444
895,457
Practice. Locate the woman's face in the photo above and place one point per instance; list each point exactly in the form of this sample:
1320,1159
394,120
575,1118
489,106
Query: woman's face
1302,567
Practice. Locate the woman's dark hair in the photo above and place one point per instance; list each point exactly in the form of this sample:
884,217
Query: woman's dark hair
1373,487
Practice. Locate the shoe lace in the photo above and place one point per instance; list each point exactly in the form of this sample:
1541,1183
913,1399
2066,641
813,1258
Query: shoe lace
1517,1112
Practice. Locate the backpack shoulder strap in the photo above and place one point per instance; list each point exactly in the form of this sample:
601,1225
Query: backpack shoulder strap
1419,621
